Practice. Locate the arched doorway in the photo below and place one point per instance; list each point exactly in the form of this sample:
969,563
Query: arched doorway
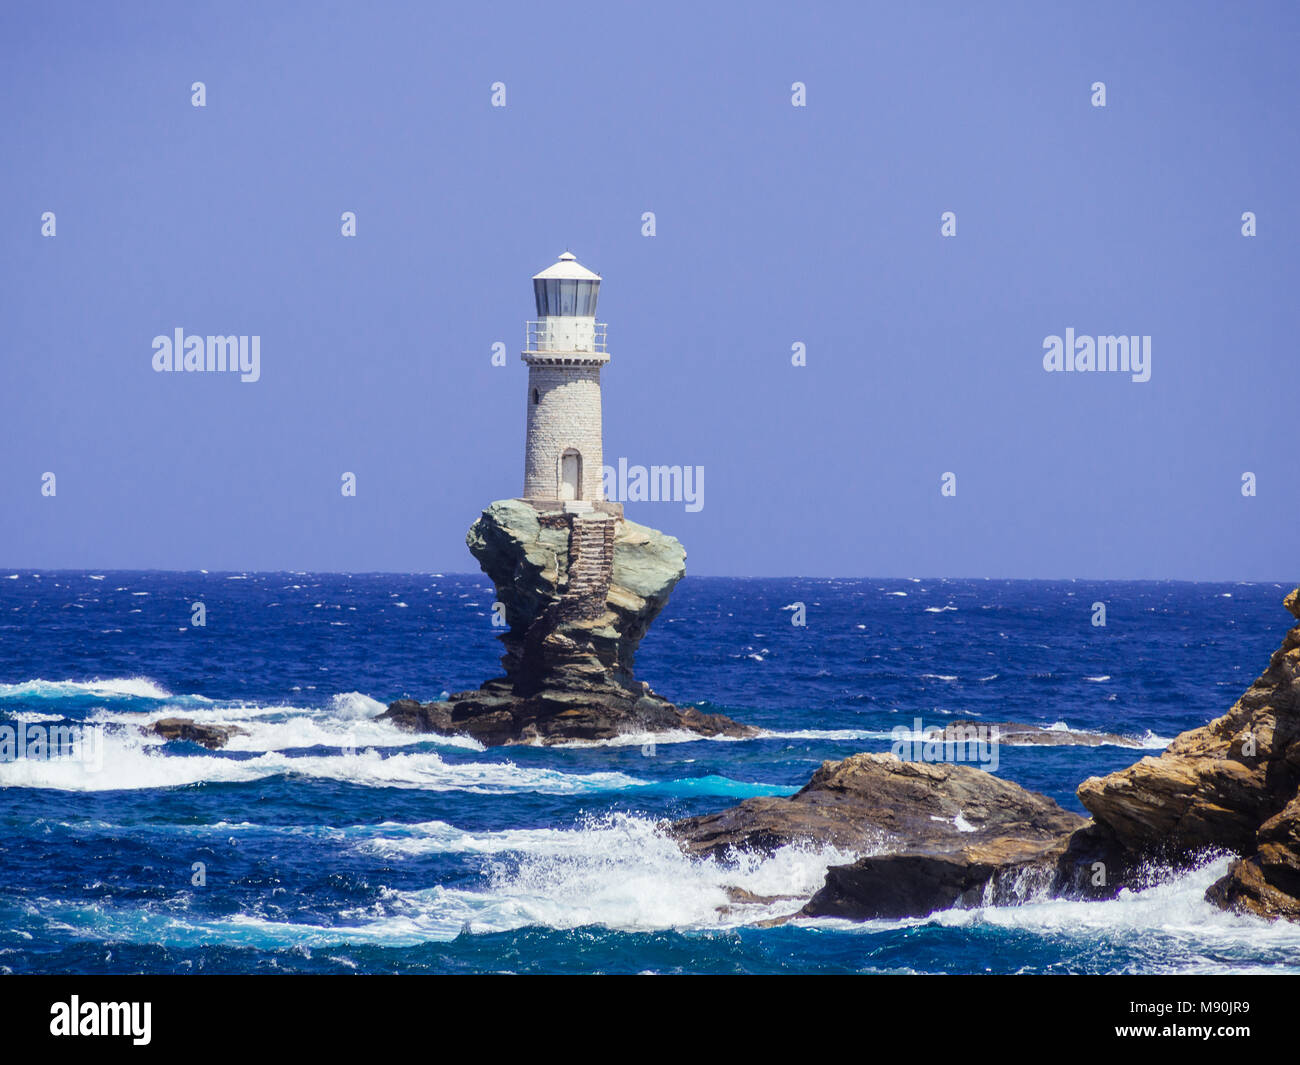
571,475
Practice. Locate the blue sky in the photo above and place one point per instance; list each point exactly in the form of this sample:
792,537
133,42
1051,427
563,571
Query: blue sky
774,225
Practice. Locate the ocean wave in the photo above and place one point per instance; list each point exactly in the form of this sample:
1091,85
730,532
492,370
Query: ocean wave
618,872
346,721
838,735
108,688
1170,924
1148,739
355,704
634,739
303,732
130,763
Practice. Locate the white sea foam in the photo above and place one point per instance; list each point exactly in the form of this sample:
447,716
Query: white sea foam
619,871
133,763
635,739
304,731
347,721
1147,740
1168,927
355,705
111,688
833,734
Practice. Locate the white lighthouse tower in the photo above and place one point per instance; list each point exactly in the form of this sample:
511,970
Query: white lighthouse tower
564,350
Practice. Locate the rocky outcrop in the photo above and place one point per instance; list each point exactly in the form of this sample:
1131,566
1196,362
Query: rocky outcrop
932,835
579,592
935,835
1230,785
184,728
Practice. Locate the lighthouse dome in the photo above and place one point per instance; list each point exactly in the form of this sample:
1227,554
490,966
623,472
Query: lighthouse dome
566,289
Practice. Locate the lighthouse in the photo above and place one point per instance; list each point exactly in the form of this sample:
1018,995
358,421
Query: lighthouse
565,350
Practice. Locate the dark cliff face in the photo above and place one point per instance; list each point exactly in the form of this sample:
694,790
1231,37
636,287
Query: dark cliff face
579,594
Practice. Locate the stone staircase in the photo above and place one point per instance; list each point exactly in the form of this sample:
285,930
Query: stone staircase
591,562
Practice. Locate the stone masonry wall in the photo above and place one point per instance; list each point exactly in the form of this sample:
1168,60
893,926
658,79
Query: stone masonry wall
566,416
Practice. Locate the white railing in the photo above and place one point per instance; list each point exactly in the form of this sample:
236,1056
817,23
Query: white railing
560,334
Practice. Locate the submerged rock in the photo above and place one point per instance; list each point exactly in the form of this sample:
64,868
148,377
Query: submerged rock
578,592
934,834
1016,735
184,728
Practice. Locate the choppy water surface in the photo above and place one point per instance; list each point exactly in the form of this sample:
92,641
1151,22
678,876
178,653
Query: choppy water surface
329,841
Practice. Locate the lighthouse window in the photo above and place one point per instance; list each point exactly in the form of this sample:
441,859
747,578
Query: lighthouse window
565,297
536,397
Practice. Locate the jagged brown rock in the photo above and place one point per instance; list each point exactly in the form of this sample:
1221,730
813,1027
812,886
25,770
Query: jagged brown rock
1266,883
1233,784
579,593
1214,786
946,831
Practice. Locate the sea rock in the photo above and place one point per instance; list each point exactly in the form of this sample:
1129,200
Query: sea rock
1214,786
936,835
1015,735
579,592
1231,785
184,728
1266,883
931,835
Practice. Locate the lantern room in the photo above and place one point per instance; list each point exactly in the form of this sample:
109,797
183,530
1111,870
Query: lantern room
566,289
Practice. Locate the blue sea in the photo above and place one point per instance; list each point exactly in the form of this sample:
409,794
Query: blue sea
325,841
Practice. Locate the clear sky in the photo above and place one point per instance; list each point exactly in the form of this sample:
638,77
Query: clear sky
775,225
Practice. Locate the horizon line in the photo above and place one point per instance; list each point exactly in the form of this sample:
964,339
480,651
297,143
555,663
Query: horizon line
36,571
